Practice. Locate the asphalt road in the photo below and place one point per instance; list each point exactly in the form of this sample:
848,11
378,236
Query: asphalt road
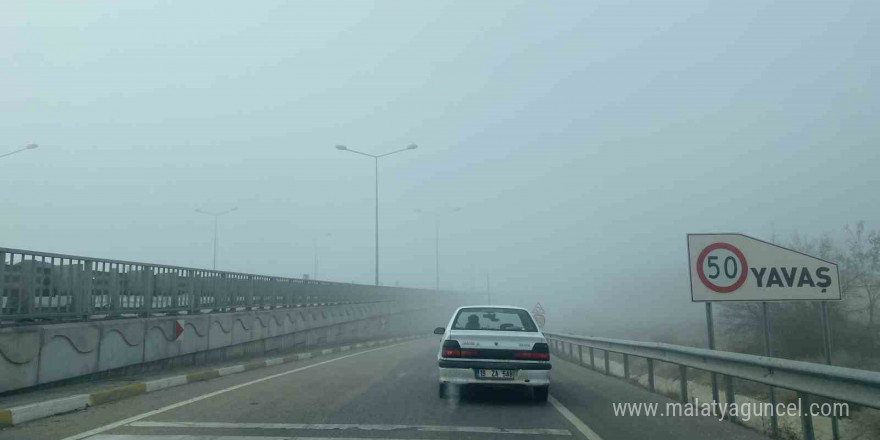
382,393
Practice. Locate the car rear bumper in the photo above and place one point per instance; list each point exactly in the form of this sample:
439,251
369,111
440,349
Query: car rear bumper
463,376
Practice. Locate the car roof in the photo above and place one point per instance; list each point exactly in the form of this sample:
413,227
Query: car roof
490,306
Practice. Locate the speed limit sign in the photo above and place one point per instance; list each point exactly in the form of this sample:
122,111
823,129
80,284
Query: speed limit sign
722,267
538,313
736,267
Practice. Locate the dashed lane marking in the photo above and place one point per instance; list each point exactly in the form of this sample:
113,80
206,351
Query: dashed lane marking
573,419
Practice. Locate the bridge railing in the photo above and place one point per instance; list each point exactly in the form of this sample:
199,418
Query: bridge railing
842,384
41,285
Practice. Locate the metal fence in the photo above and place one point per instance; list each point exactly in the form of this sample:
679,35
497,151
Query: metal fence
841,384
40,286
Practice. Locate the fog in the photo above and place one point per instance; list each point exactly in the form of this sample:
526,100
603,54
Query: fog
580,140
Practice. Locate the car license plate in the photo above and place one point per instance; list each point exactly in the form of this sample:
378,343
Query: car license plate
495,374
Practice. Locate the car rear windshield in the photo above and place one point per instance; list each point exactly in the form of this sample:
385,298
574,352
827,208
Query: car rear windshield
511,320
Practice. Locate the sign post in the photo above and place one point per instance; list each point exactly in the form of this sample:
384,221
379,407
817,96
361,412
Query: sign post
710,329
768,351
736,267
826,339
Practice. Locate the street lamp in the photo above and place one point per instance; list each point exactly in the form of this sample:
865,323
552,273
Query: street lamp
216,216
376,158
437,215
28,147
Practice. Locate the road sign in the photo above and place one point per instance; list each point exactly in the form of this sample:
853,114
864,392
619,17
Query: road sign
735,267
178,329
538,309
538,313
540,320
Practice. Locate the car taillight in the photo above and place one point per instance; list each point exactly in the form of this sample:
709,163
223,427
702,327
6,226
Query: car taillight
451,349
540,352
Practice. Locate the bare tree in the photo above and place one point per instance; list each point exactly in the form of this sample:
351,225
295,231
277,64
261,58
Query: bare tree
863,267
795,328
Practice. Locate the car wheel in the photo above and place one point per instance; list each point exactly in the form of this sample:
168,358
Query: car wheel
442,391
540,393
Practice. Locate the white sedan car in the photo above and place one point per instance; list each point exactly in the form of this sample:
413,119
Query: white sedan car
494,345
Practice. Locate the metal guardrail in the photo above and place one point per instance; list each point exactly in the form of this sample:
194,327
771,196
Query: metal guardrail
41,285
842,384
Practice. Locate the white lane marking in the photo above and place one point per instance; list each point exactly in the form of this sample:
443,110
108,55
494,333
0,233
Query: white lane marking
329,426
214,437
123,422
581,426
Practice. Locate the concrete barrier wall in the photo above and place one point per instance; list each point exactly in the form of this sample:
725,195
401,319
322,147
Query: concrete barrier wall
41,354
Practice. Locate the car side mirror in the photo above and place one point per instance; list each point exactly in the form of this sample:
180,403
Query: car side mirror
439,331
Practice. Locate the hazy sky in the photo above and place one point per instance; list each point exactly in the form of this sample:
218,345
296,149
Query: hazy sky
581,139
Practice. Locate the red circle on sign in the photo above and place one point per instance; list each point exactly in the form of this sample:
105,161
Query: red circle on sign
735,251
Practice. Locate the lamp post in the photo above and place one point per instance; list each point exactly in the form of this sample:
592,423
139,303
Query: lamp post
28,147
437,215
216,216
376,160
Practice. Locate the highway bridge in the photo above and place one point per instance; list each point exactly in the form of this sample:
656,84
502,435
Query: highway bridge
386,392
102,349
